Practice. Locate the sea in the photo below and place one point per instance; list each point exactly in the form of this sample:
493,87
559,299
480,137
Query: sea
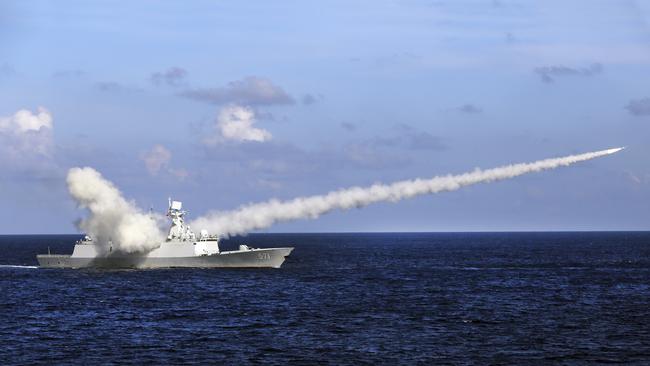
556,298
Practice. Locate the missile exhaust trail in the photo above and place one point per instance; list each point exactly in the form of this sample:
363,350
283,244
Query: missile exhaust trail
262,215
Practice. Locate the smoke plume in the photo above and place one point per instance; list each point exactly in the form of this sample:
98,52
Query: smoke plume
112,218
262,215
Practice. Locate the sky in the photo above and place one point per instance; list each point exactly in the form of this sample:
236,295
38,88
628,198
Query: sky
220,104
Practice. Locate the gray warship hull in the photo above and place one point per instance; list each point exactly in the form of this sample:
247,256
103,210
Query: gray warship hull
181,249
252,258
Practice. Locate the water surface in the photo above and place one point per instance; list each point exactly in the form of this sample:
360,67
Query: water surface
496,298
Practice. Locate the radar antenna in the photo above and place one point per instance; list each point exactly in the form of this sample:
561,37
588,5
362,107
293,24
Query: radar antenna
178,230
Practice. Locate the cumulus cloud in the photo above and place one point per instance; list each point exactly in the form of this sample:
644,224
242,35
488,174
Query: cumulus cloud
26,141
251,90
639,107
24,121
174,77
27,133
548,74
235,123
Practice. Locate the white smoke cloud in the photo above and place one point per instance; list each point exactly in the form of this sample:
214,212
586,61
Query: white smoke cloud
111,217
263,215
235,123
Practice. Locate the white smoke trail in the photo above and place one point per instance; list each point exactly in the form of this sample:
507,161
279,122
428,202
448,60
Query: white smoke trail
112,218
262,215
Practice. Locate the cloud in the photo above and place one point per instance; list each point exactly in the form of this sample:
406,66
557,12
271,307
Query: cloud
470,109
235,123
548,74
156,159
174,77
268,116
26,141
251,90
639,107
24,121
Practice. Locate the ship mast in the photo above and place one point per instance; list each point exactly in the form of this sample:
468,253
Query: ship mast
178,229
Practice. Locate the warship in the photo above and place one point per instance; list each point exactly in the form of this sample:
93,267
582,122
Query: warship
180,249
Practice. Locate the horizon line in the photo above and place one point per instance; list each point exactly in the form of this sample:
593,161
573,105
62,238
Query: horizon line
390,232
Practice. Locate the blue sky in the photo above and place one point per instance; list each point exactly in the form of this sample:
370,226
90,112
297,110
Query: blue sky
224,103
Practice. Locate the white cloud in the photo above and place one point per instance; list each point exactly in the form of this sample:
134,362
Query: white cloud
235,123
26,136
24,121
